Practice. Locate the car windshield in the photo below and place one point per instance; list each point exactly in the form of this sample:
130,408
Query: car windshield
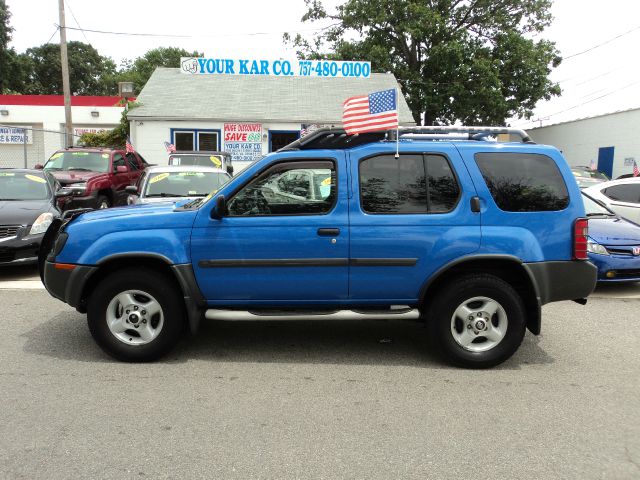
579,172
184,184
197,160
90,161
592,208
22,186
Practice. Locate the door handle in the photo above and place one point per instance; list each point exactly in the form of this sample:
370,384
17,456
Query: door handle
328,232
475,204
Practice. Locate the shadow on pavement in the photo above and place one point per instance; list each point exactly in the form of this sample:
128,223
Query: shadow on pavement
375,342
19,272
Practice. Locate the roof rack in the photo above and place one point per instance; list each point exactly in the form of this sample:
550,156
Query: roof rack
337,138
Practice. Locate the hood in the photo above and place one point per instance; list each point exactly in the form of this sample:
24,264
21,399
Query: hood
614,231
134,217
74,176
22,212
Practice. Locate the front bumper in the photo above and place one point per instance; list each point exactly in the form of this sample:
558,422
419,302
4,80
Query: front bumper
89,201
625,268
20,250
66,283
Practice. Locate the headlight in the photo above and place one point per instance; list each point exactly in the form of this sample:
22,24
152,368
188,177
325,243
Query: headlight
594,247
41,224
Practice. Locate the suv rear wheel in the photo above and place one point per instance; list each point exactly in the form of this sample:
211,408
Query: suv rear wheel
135,315
477,321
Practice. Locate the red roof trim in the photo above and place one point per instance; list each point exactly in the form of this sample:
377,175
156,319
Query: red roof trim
58,101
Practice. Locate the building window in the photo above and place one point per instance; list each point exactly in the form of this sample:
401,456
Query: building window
195,140
281,138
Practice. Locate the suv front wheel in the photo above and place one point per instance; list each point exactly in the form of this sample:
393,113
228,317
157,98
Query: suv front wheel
477,321
135,315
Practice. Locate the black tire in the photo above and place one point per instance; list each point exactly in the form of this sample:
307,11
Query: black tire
164,291
103,202
460,290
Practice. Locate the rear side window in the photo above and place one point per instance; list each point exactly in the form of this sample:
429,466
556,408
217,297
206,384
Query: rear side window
523,182
411,184
629,193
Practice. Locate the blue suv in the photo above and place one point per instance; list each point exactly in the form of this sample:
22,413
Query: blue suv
437,224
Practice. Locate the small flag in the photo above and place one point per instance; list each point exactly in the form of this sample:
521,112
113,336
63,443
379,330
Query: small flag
636,172
171,148
369,113
592,165
128,147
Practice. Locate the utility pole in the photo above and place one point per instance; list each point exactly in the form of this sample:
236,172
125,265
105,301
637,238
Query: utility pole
66,89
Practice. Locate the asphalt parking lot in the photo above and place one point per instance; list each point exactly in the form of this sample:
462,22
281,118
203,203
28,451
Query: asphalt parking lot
318,400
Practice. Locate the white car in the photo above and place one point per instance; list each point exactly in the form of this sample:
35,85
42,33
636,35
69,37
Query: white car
621,196
175,183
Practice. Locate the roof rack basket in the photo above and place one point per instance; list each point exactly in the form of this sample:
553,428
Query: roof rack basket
337,138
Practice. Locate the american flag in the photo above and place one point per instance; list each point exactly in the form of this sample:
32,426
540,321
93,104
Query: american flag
636,172
171,148
128,147
369,113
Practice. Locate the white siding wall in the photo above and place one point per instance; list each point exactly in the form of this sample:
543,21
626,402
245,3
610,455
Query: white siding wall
580,140
148,136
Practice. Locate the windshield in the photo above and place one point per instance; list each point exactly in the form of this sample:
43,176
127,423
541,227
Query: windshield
578,172
592,208
184,184
197,160
22,186
90,161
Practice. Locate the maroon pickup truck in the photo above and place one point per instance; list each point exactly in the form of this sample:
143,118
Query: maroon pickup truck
97,177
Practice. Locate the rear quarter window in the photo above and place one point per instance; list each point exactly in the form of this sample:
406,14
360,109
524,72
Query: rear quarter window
628,192
523,182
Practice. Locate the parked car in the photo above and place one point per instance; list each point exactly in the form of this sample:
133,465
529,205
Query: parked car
620,196
469,235
97,177
203,159
160,184
29,201
583,171
613,245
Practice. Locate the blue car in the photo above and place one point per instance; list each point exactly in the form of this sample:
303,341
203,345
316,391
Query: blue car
614,244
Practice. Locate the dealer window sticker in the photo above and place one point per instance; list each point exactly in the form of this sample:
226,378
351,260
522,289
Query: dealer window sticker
6,174
80,154
56,155
105,155
216,161
191,174
159,178
33,178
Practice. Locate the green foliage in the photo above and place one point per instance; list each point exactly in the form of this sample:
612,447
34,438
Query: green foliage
139,70
5,38
114,138
474,61
89,72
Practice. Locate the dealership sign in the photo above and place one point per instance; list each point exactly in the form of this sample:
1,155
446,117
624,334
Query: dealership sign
243,141
79,131
15,135
278,68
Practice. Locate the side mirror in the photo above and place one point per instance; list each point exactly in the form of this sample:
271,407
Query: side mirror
121,169
132,189
220,209
38,166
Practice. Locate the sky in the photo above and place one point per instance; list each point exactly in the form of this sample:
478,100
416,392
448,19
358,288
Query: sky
602,80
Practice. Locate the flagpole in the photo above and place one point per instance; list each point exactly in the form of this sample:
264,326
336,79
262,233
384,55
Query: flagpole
397,126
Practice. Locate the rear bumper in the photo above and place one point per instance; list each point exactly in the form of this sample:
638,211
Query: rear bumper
563,280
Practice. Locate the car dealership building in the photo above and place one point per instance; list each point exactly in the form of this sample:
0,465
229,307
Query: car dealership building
247,115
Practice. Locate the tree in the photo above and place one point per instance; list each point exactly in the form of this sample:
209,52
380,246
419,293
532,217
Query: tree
89,72
139,70
5,38
114,138
474,61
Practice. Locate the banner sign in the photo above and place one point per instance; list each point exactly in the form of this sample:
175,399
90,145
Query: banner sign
628,161
243,141
15,135
278,68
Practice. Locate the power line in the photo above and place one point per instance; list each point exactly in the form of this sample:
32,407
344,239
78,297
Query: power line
76,20
54,32
601,44
169,35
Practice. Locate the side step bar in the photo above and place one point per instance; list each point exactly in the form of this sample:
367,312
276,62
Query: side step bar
238,315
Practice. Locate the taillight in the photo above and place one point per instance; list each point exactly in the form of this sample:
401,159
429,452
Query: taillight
580,234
